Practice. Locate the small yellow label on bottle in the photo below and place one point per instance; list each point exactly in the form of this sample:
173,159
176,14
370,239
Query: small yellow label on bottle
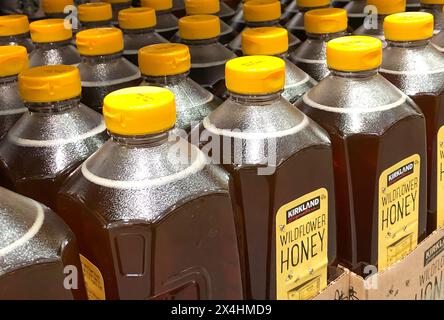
95,286
440,172
399,191
302,247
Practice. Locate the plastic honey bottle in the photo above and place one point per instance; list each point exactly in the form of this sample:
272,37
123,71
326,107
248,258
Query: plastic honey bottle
273,41
168,65
267,145
262,13
56,135
296,24
167,23
103,68
14,30
152,222
384,8
415,67
37,252
321,25
52,44
379,153
208,57
138,31
13,60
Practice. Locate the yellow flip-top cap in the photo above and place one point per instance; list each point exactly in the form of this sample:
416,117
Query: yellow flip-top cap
408,26
94,11
388,6
328,20
255,75
202,6
50,83
137,18
264,41
99,41
13,24
164,59
49,30
262,10
158,5
56,6
199,27
13,60
354,53
313,3
432,1
139,111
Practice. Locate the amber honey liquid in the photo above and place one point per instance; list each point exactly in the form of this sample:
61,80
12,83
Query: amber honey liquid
359,160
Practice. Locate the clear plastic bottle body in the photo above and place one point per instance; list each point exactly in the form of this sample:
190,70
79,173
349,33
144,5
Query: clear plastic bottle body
208,58
356,13
311,56
36,246
438,41
438,17
296,24
53,53
18,40
377,32
167,23
237,21
275,145
102,75
137,210
135,39
53,148
236,44
290,11
373,127
417,69
11,105
193,103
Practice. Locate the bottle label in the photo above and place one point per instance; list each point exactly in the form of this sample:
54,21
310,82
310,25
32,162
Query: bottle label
301,247
95,286
398,211
440,172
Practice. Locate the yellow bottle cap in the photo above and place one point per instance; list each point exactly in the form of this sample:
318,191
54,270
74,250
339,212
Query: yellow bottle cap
313,3
137,18
139,111
13,60
432,1
14,24
164,59
388,6
354,53
408,26
262,10
255,75
264,41
56,6
49,30
158,5
328,20
199,27
94,11
202,6
50,83
99,41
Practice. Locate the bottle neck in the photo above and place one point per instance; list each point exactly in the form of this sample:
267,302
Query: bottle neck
52,45
166,80
257,24
138,31
200,41
96,24
408,44
161,12
15,36
305,9
101,58
326,36
8,79
255,99
354,74
144,141
53,107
